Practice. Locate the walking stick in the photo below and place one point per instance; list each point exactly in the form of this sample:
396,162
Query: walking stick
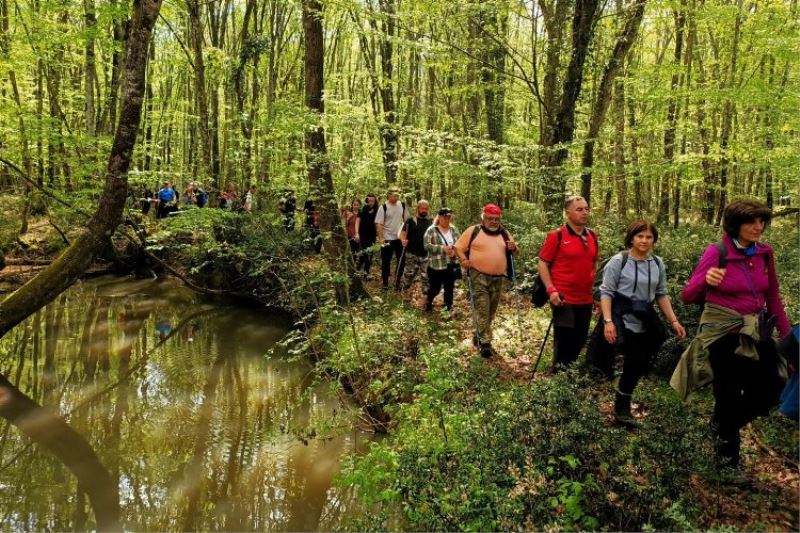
516,292
472,307
399,265
541,350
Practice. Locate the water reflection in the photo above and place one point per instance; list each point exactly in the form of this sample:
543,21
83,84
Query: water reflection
197,429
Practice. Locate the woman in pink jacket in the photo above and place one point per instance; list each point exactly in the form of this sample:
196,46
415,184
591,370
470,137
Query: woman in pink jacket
744,283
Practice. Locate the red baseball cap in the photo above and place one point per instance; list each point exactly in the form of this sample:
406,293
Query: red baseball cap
492,209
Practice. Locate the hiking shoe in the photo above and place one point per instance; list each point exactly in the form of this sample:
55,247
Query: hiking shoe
487,352
622,411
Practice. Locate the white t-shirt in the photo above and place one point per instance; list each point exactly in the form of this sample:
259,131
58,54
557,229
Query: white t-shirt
448,236
392,219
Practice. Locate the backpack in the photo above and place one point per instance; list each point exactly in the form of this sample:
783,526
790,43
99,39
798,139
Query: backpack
539,295
403,215
598,277
477,229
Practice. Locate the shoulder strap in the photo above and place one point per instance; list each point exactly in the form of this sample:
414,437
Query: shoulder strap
559,237
722,253
504,233
475,230
594,236
624,254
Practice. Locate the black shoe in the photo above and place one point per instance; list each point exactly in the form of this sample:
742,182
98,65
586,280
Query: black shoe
622,411
487,352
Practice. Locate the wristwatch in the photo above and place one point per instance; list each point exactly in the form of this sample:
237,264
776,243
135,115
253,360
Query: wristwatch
608,321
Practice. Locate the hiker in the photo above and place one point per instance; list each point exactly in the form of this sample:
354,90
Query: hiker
200,194
484,251
566,266
415,255
312,224
388,221
734,349
189,195
287,206
350,219
366,232
443,268
228,197
632,281
166,200
250,198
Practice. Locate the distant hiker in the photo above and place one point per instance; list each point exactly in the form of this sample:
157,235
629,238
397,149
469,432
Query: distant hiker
312,224
350,219
443,267
166,200
189,195
366,232
566,266
200,194
287,207
633,280
147,199
734,349
415,256
229,197
250,198
484,251
388,221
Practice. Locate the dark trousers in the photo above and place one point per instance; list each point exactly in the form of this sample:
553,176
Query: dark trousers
638,357
365,257
570,329
390,248
743,390
438,279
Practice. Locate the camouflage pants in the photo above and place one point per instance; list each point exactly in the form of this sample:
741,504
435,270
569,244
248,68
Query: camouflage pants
486,292
411,265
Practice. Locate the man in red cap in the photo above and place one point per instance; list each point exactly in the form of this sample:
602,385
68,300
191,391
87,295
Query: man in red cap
484,250
567,263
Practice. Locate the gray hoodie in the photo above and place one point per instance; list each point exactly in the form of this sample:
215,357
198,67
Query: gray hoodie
645,276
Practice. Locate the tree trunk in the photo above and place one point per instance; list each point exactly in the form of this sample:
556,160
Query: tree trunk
201,97
672,118
624,43
563,128
320,181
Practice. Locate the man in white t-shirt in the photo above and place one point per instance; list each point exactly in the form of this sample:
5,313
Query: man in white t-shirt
388,223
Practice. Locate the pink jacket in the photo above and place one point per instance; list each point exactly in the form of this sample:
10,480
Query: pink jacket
744,276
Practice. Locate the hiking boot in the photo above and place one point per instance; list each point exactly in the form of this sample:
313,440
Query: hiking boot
487,352
622,411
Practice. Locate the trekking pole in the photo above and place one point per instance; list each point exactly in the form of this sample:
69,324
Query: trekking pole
516,292
399,265
472,307
541,350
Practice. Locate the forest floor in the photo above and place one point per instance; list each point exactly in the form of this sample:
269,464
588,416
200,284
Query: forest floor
772,502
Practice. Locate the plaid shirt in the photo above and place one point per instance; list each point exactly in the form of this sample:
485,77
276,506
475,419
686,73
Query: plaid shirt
434,244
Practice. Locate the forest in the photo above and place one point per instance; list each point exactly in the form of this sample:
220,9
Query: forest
192,336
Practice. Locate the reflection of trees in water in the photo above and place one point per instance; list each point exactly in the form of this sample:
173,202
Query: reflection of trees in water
196,430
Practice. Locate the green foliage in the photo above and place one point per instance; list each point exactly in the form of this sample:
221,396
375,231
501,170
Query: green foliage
478,454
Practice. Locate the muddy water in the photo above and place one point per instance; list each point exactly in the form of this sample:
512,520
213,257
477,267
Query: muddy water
195,426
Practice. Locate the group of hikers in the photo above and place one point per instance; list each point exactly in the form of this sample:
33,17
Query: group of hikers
735,281
167,200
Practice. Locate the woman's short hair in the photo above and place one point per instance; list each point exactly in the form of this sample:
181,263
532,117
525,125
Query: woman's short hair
743,212
638,226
